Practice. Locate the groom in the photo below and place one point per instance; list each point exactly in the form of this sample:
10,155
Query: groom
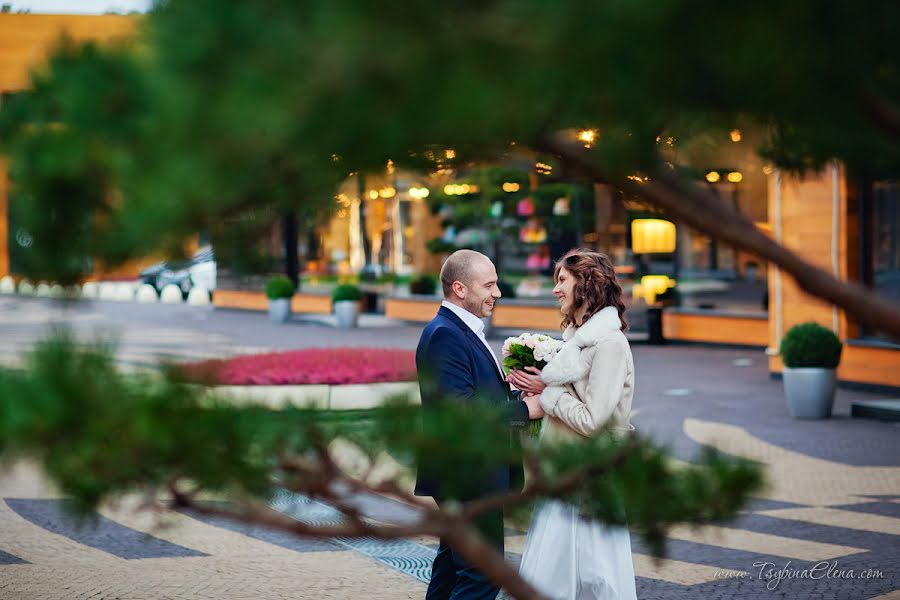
456,363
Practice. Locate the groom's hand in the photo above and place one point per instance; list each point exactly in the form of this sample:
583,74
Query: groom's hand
533,402
529,381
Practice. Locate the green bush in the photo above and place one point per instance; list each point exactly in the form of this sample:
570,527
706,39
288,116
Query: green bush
346,292
507,290
425,285
810,345
279,287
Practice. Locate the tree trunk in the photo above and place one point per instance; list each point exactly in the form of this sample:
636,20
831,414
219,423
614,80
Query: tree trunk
289,237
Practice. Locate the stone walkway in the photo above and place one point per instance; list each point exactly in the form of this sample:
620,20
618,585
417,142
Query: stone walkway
833,498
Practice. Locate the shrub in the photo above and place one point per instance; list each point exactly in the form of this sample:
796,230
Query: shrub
346,292
280,287
425,285
810,345
324,366
507,290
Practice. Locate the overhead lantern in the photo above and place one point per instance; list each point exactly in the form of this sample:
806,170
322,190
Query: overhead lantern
651,236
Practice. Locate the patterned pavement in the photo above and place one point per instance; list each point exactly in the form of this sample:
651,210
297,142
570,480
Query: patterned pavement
827,527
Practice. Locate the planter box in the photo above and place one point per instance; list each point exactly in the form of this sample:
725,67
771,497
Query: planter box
414,308
253,300
279,310
809,392
334,397
347,313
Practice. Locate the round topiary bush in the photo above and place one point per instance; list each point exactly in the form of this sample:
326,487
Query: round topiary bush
810,345
507,290
279,287
425,285
346,292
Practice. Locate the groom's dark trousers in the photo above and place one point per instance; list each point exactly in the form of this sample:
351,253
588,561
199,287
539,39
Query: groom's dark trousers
455,366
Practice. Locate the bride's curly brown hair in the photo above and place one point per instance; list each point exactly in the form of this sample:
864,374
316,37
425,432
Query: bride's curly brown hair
596,286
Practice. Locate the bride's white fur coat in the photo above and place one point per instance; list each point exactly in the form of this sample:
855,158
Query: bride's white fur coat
591,381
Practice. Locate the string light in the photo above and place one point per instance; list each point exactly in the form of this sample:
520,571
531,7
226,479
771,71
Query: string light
587,136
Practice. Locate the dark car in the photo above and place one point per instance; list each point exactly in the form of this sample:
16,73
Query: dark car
184,274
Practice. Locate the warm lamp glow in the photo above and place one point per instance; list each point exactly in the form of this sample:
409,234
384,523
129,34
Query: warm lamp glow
713,176
735,177
651,286
510,187
419,192
387,192
373,194
650,236
735,135
587,136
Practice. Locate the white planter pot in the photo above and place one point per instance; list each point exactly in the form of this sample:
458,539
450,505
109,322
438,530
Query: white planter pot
347,313
809,392
279,310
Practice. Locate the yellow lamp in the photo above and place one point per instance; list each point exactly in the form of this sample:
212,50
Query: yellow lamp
652,235
653,285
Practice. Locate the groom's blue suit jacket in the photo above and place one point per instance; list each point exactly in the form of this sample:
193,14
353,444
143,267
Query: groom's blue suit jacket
454,365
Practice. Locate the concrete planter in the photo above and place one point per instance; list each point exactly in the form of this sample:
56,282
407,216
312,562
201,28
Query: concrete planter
334,397
347,313
809,392
279,309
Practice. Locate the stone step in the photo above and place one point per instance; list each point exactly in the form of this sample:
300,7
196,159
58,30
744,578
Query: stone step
881,410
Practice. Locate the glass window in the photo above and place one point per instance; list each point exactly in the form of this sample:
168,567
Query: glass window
880,242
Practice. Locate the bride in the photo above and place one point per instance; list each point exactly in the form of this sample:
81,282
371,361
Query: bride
587,386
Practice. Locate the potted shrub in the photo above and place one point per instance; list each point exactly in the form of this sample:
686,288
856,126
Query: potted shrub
345,300
279,291
810,354
424,285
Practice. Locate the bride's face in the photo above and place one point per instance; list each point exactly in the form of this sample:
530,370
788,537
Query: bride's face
565,291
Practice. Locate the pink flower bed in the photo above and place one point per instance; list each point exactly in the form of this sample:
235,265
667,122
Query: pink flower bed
311,366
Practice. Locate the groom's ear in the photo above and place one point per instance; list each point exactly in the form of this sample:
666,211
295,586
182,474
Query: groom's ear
459,289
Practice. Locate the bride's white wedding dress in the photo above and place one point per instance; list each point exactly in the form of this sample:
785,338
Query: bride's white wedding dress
569,558
590,384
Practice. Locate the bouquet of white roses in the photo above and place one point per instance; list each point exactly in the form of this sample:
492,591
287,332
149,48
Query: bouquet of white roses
529,350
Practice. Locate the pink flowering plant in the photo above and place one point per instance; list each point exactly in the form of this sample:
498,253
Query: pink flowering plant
333,366
529,350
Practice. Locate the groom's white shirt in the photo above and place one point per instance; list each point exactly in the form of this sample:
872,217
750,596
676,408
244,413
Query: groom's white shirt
475,324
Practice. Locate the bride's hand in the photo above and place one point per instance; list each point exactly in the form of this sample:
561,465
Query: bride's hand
528,381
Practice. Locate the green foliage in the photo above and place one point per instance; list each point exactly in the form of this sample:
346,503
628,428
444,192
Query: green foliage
279,287
425,285
72,141
99,433
346,292
507,290
810,345
439,246
115,153
521,356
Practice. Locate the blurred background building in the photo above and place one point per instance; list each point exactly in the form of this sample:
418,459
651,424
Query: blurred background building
388,228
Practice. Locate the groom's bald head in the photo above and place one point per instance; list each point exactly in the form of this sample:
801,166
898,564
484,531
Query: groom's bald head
461,266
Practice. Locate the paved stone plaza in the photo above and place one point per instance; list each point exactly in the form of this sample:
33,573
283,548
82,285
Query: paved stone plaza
833,499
